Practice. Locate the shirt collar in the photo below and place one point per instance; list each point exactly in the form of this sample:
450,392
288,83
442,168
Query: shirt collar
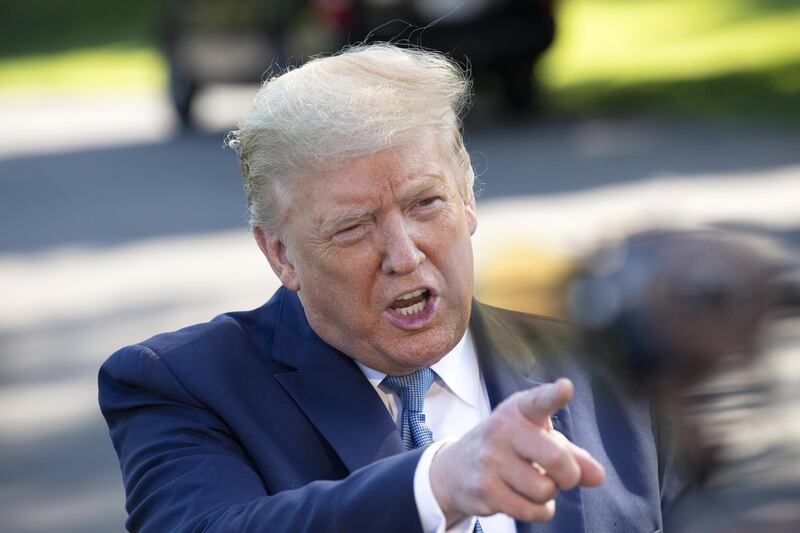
458,371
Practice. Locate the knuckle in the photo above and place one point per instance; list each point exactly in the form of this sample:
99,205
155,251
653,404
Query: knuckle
480,492
535,512
484,498
557,459
544,490
487,459
516,510
541,512
482,509
562,468
569,480
547,511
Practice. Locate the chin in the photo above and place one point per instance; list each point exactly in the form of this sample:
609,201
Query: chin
425,350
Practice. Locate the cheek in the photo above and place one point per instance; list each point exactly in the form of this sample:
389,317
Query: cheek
343,272
459,268
441,231
453,257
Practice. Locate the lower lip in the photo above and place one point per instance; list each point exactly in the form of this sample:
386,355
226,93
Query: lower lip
415,321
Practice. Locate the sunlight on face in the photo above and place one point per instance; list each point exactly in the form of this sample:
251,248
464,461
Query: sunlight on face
380,253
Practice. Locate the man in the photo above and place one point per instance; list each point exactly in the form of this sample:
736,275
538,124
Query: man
318,411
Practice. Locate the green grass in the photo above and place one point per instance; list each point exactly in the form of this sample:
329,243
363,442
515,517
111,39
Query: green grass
37,27
708,58
91,46
79,45
91,70
725,59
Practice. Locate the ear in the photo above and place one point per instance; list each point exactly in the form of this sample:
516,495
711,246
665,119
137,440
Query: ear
471,211
274,249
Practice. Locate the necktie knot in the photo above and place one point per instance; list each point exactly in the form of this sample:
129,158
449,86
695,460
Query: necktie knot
412,389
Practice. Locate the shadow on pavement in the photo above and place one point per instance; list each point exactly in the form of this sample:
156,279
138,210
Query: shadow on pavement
192,184
80,491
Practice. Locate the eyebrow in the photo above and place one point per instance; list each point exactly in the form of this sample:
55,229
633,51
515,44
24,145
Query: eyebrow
344,218
433,182
421,187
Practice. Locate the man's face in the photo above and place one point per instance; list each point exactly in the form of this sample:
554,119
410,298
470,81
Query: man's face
380,253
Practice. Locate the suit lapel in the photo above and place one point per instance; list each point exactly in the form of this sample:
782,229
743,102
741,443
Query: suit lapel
325,384
332,391
511,363
507,364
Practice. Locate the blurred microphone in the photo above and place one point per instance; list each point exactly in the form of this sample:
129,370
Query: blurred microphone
699,320
670,305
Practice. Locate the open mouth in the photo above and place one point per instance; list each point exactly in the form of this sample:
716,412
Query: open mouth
411,303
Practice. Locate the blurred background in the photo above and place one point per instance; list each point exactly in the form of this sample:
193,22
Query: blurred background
122,214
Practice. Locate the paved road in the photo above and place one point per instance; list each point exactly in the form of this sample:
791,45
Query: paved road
191,184
102,246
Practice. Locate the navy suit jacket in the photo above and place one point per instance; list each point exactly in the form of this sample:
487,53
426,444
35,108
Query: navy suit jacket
252,423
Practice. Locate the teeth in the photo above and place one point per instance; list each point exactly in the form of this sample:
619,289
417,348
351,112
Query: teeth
412,309
410,295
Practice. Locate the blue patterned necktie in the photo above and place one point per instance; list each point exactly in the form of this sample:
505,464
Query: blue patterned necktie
412,389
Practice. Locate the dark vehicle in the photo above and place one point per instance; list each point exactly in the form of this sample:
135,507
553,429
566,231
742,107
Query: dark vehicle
233,41
221,41
500,40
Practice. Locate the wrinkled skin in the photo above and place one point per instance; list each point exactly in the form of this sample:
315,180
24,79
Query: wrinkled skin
356,237
513,462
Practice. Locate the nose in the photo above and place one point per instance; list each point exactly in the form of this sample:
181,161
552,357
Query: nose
401,254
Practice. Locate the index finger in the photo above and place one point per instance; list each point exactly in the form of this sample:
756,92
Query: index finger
539,403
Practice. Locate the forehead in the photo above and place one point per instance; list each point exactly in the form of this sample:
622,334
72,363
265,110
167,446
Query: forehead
397,173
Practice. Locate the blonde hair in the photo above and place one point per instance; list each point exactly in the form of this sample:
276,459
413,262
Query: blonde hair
365,99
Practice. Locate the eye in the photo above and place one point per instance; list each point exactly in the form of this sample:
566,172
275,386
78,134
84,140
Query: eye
351,233
427,202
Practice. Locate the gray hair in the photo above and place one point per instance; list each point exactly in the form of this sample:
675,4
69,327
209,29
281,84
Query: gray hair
358,102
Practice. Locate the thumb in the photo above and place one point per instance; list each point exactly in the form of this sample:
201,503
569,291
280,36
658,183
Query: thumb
539,403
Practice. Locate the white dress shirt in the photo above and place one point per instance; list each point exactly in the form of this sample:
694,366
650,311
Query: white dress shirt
456,402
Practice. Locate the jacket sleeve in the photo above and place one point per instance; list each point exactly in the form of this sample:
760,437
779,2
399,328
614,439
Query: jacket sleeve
184,470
